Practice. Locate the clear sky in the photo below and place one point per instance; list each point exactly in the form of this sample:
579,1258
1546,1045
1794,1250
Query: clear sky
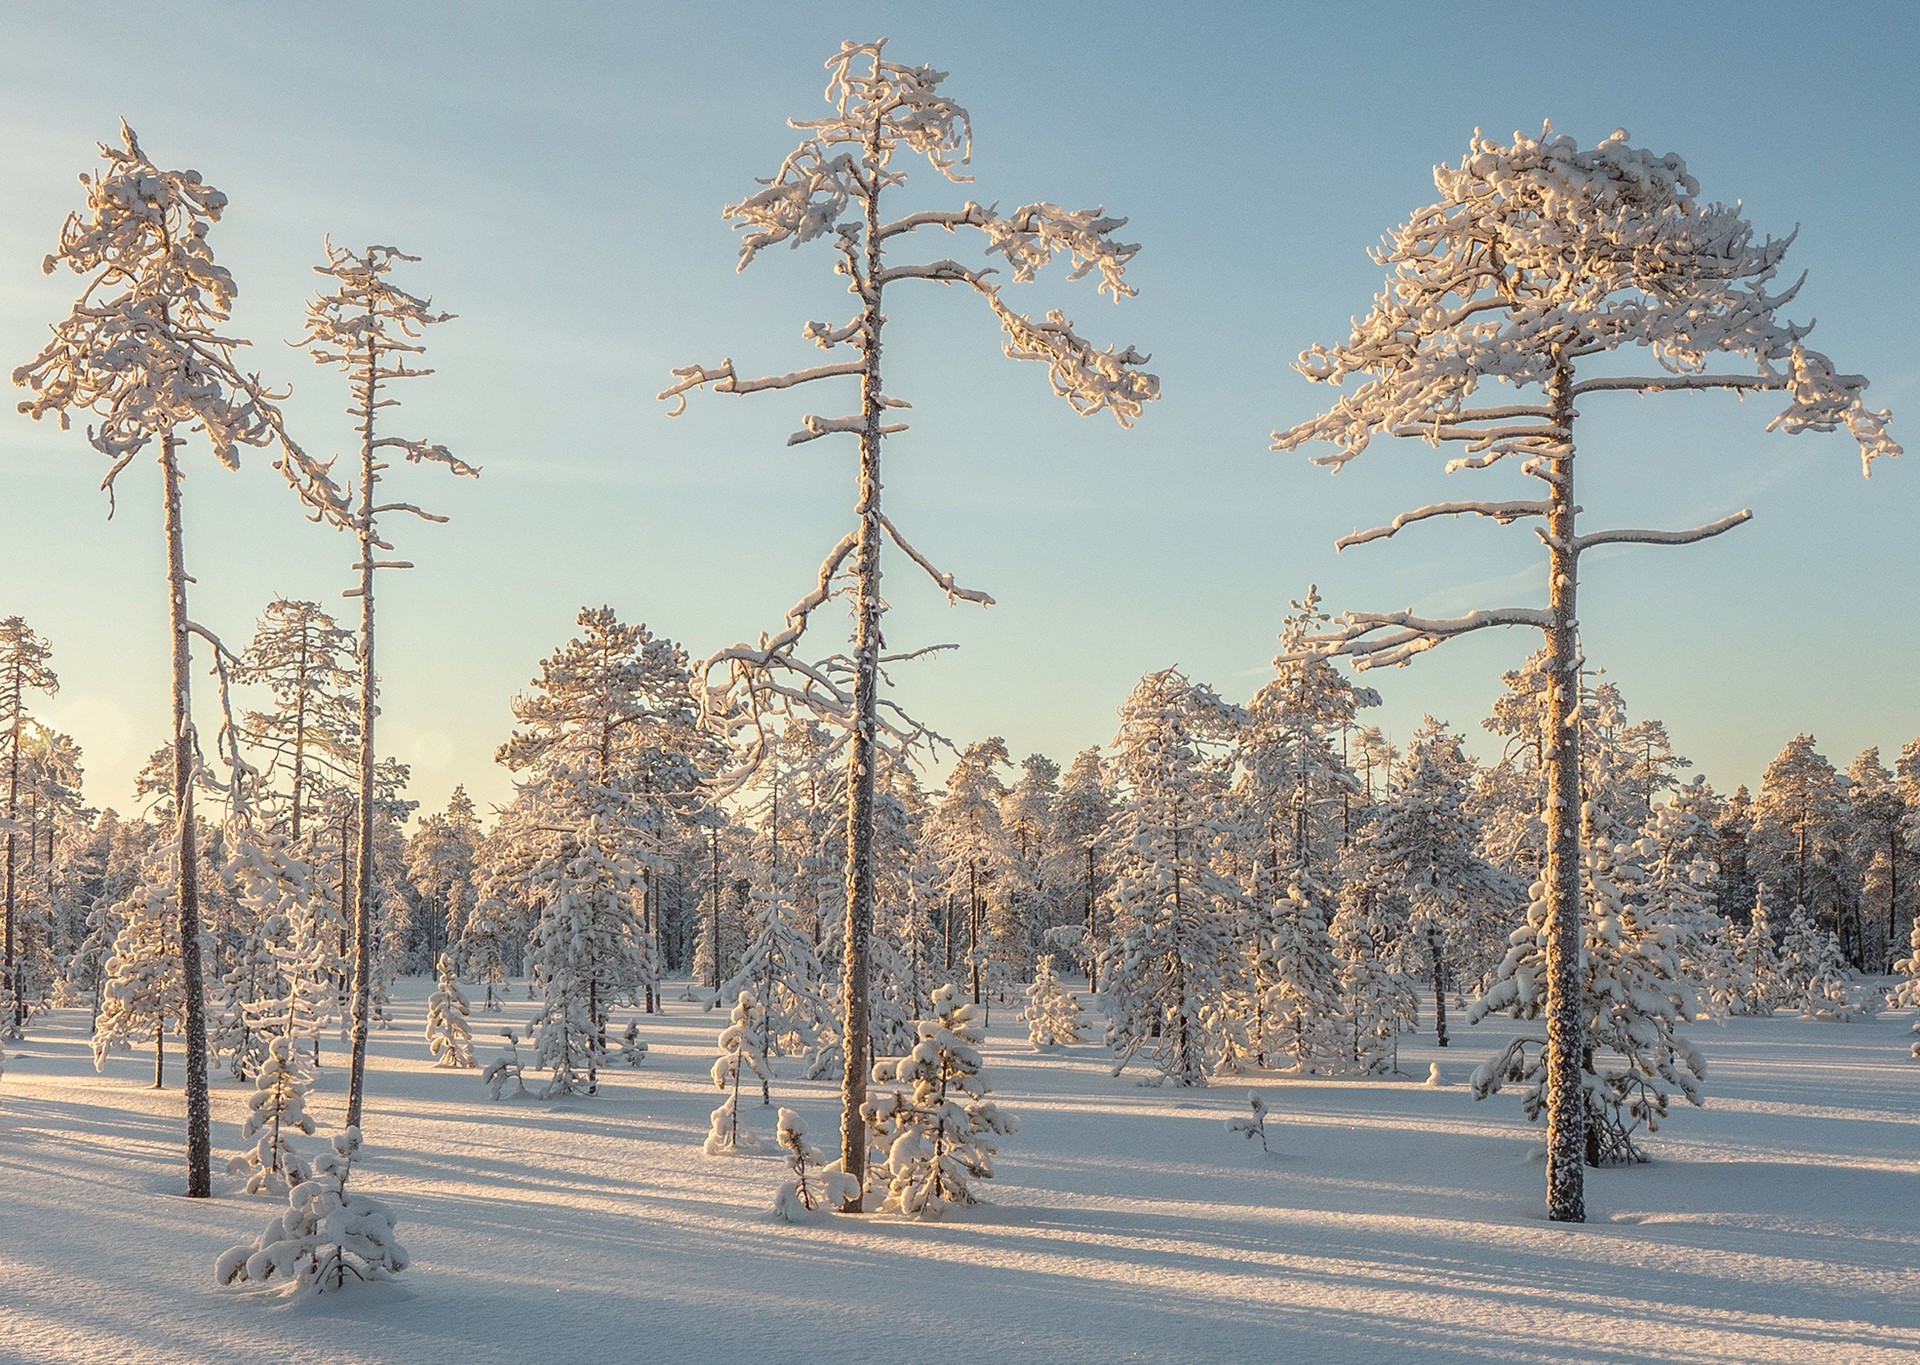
561,168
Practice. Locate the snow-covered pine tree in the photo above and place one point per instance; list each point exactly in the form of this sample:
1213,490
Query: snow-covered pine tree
277,1110
941,1130
1080,816
24,668
145,351
742,1043
1798,847
782,973
1537,257
327,1234
440,870
1677,850
1052,1015
142,995
1378,1001
1423,844
370,328
1758,957
449,1038
1296,981
1175,958
968,836
1906,993
831,187
1813,971
298,655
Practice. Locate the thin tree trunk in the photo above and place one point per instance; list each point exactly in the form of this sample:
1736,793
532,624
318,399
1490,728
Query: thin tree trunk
860,753
714,951
973,924
1566,1029
363,855
159,1056
1093,937
1439,987
199,1112
13,802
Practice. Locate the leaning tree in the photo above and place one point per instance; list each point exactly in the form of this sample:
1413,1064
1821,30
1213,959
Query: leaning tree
144,351
370,328
831,188
1537,258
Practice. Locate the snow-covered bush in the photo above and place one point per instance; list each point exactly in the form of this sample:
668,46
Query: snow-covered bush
326,1236
632,1051
1254,1124
814,1187
1052,1014
277,1110
506,1069
940,1131
448,1037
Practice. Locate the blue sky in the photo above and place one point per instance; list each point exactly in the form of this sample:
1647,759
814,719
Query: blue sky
561,169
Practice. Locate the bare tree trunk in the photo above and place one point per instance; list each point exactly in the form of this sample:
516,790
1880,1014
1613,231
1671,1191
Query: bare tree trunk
714,949
1093,937
860,753
199,1112
1439,986
160,1056
1566,1029
15,1010
363,855
973,925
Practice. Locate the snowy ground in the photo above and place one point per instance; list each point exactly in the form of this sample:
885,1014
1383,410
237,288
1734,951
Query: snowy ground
1394,1222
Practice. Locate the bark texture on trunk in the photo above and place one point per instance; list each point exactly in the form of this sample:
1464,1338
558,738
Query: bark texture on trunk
1566,1029
363,855
860,753
199,1116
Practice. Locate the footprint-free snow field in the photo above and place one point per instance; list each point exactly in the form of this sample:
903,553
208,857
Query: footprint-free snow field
1392,1221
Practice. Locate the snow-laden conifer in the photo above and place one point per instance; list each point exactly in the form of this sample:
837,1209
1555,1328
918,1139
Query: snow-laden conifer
831,188
1763,990
370,329
24,667
145,353
449,1037
815,1186
142,994
1052,1015
1813,970
328,1237
1175,961
939,1131
1537,258
741,1044
276,1111
1378,1001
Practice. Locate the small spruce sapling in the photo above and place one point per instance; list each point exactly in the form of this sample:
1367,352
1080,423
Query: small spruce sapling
448,1037
1252,1125
632,1051
728,1134
940,1131
326,1235
813,1186
1052,1015
277,1110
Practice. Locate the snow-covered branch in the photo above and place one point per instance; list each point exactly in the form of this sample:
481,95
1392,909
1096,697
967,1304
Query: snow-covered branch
1633,537
1503,512
942,579
722,379
1409,634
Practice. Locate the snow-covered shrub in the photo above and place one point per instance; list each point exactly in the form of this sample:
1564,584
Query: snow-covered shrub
1052,1014
326,1235
505,1069
938,1132
814,1187
632,1051
1252,1125
727,1134
277,1110
448,1037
